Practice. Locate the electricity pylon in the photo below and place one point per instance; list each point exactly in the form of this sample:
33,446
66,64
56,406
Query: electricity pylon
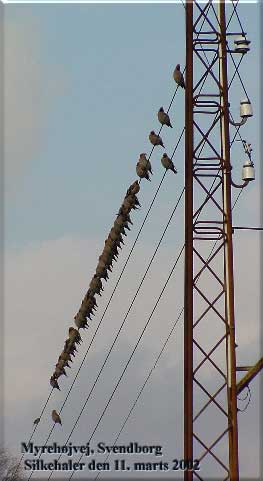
210,386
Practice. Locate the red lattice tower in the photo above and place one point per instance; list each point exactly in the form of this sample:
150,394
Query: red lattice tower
210,405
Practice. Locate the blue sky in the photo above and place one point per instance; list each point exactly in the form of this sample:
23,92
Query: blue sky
116,71
104,72
83,84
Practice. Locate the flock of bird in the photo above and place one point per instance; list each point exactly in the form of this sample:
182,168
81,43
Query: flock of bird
110,252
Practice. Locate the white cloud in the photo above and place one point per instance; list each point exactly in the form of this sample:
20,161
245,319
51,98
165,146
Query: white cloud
31,86
44,285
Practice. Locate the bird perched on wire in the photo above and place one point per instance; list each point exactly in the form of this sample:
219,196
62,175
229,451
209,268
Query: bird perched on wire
74,335
96,285
145,162
62,363
107,249
126,215
101,266
54,383
90,299
37,420
134,188
56,417
142,172
178,76
59,371
131,202
101,271
113,235
121,220
70,347
80,321
164,118
168,163
65,356
107,258
119,229
155,139
125,225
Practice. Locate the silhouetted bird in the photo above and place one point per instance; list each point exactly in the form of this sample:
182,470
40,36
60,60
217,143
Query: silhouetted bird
142,172
155,139
56,417
168,163
178,76
164,118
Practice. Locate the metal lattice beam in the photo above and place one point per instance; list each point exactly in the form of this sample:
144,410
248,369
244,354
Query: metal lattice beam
209,347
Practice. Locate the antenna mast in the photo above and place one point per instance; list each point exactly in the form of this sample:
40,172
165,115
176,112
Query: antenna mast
210,399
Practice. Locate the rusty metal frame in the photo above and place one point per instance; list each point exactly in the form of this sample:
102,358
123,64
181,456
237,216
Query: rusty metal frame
210,174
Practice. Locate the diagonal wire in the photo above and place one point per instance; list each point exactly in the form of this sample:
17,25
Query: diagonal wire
135,347
144,384
126,366
232,14
124,320
202,14
239,76
171,102
235,11
140,392
236,69
158,357
156,361
32,434
156,193
128,363
182,2
121,272
206,16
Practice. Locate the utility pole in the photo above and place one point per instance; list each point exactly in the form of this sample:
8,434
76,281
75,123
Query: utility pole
210,392
188,293
228,251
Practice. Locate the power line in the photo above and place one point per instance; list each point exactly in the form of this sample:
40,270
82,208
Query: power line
161,181
138,341
143,223
140,337
247,228
125,317
33,432
144,384
129,361
158,357
117,335
238,196
119,280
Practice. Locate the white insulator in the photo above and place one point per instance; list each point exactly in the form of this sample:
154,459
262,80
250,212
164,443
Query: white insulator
248,171
242,44
245,108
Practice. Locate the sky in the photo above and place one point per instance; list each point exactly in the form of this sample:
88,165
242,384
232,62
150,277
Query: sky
82,86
